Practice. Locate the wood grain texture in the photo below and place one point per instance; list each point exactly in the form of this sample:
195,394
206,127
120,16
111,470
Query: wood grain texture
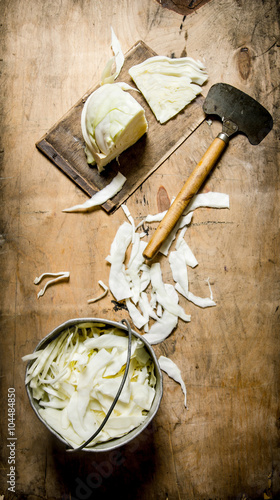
226,446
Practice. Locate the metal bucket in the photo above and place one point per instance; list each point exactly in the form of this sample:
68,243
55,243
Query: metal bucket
116,442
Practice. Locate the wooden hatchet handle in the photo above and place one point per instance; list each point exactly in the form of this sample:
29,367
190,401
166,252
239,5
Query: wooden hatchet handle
184,197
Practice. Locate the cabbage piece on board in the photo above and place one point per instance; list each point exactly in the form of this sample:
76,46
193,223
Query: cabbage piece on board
168,84
112,121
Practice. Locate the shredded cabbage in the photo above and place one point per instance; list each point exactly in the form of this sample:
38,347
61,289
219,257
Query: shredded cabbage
163,298
118,282
172,370
179,269
138,319
184,247
165,324
209,200
118,60
105,288
159,304
184,220
101,196
178,260
129,280
76,376
57,277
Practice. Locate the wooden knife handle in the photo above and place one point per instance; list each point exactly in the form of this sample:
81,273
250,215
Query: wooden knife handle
187,192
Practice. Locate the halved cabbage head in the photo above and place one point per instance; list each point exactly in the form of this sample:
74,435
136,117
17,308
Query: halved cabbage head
112,121
168,84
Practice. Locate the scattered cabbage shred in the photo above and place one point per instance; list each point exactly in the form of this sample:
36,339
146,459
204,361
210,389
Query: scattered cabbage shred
101,196
76,376
56,277
157,311
168,84
152,304
99,297
172,370
117,61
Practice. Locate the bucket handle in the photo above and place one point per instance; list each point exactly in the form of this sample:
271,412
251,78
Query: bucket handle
124,322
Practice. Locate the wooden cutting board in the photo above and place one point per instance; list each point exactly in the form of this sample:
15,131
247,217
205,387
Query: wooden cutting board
63,144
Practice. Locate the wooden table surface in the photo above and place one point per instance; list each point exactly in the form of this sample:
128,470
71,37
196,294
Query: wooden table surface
226,445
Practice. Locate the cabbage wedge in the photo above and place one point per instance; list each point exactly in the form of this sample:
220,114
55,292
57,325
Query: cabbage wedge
168,84
111,121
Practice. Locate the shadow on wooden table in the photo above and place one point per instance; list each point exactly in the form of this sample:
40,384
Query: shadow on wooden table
124,471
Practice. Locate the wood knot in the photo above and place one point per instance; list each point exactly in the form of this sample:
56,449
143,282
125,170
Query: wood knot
163,201
244,62
183,7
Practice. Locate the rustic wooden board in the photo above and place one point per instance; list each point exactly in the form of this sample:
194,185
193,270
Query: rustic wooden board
64,146
226,445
